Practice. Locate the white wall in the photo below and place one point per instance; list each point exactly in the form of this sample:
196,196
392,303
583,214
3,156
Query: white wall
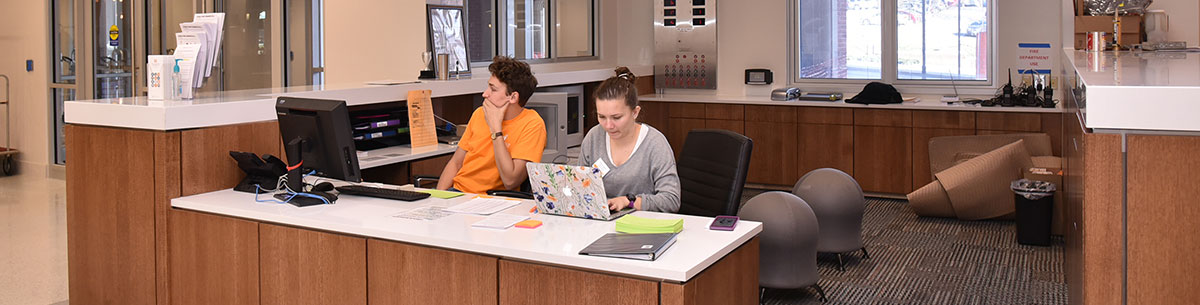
572,24
27,37
369,40
751,34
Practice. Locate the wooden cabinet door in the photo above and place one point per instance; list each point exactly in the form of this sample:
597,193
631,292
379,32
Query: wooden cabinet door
655,114
821,146
213,259
1161,222
411,274
1009,121
773,129
534,284
301,266
773,159
1052,124
732,112
883,158
737,126
679,130
920,148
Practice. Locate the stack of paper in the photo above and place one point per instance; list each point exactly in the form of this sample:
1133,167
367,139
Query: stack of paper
483,205
500,221
196,48
640,225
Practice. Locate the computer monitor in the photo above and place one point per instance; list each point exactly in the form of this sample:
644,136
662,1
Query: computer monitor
317,132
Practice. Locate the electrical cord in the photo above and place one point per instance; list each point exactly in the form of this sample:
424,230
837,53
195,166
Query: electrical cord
293,195
282,188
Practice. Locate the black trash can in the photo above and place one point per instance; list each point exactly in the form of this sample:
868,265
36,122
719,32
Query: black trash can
1035,208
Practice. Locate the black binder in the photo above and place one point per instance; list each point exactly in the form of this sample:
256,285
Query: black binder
633,246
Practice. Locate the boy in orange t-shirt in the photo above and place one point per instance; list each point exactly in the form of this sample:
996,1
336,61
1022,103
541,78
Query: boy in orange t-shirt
501,136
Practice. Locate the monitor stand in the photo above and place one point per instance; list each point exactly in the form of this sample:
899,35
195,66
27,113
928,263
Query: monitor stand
295,178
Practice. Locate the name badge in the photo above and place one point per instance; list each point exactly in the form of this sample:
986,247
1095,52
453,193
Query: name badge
602,166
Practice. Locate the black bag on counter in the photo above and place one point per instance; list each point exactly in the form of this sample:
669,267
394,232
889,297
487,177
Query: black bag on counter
877,93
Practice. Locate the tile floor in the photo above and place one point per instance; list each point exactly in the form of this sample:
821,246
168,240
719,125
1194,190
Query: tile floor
33,240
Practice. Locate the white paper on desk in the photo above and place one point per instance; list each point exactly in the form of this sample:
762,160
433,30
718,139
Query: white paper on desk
217,20
210,36
500,221
194,40
483,206
186,55
424,213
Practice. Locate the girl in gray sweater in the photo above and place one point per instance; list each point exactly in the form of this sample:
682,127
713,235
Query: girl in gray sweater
636,160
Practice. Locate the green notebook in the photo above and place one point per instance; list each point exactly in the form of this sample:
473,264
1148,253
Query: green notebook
641,225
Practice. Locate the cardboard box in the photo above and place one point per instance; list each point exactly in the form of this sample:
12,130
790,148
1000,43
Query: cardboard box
1131,29
1052,175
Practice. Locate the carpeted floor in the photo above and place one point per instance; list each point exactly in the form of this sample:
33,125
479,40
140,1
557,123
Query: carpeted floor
922,260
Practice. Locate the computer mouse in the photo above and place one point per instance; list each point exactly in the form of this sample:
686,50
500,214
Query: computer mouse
322,187
331,197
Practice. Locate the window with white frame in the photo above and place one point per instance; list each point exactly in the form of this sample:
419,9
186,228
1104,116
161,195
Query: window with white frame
531,29
892,40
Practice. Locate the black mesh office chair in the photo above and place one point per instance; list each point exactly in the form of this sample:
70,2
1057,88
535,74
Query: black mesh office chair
712,172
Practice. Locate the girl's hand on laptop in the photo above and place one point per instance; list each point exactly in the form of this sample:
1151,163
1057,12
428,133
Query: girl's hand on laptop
618,203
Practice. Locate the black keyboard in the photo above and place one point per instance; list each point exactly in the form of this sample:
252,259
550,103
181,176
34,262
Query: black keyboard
382,192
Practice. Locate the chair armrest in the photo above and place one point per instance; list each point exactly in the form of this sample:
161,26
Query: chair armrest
421,180
514,194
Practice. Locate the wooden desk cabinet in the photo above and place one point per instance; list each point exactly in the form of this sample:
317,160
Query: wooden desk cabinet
886,150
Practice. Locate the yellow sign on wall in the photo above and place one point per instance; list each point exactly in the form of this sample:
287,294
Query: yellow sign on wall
113,33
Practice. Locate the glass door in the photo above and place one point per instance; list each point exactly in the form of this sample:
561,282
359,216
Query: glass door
63,86
249,56
305,41
113,43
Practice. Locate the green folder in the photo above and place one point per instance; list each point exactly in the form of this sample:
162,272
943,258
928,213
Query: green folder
641,225
441,194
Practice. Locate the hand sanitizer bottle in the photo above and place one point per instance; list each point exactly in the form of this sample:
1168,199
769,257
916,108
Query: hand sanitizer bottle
178,82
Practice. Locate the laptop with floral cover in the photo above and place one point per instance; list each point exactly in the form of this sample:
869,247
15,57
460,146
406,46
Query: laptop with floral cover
570,190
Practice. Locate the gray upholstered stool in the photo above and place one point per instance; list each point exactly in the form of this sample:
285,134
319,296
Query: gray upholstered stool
788,249
838,202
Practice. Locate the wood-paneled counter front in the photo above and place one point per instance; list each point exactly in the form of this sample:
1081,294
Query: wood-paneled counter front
227,248
885,147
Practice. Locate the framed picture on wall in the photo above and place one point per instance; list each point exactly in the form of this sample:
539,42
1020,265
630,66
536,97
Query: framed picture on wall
448,35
